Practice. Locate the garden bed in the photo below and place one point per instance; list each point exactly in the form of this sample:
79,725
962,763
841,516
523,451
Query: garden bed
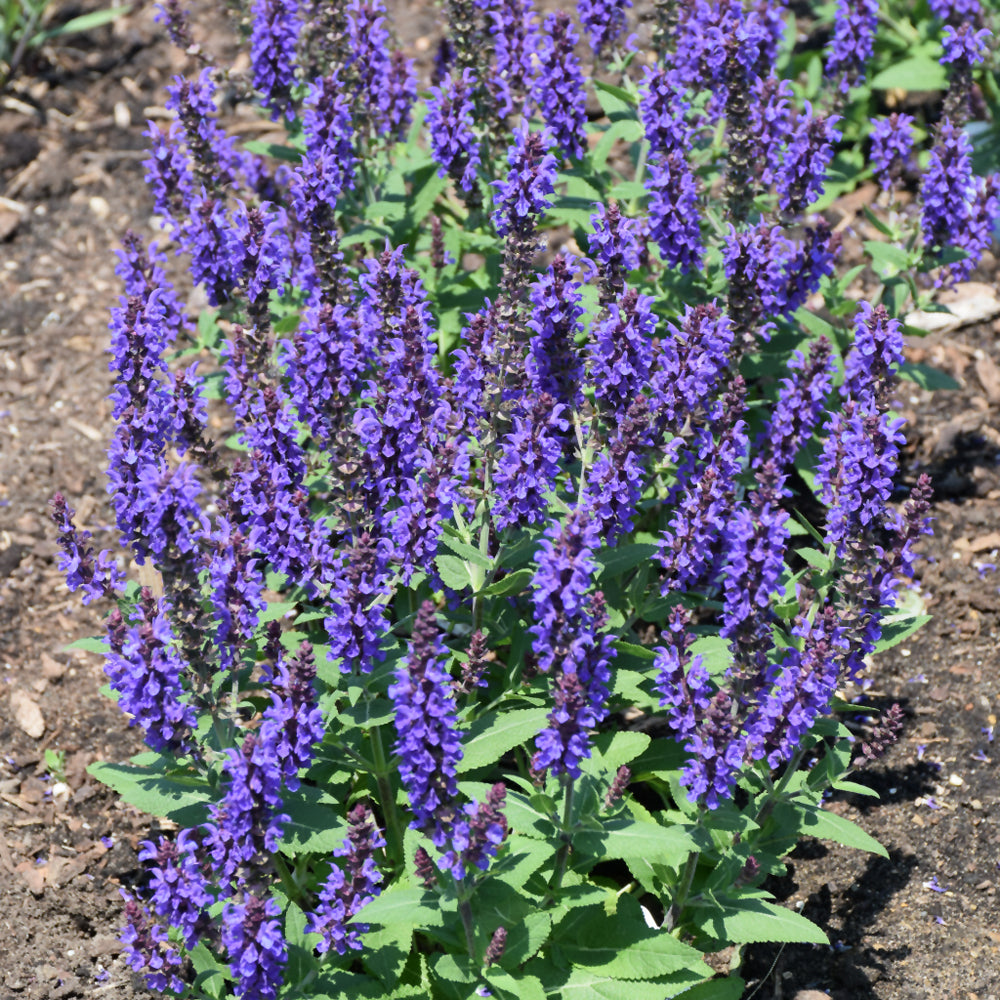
70,166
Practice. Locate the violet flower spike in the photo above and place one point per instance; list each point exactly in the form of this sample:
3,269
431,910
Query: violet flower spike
429,743
450,121
349,887
560,88
853,41
892,148
604,21
252,936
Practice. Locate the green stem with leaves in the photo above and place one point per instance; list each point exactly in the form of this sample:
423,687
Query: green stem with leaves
565,835
394,829
683,891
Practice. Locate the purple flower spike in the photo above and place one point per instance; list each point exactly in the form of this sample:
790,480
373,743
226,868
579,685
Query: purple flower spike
801,401
246,825
385,79
604,21
358,620
580,693
526,194
688,363
948,187
147,950
616,479
100,578
617,246
515,39
965,45
717,747
853,41
450,121
251,934
954,11
871,366
681,679
273,40
674,218
529,463
178,888
565,572
145,668
295,713
560,89
796,690
621,353
856,470
892,147
553,364
978,234
662,109
330,157
429,742
808,153
350,887
703,498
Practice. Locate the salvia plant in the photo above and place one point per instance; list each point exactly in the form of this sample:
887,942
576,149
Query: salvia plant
516,514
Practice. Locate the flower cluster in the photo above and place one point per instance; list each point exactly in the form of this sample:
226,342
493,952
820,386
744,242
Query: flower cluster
529,461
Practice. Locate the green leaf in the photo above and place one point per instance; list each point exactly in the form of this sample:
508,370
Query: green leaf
927,377
468,552
624,130
585,984
183,800
519,987
815,558
619,944
514,583
611,750
403,906
427,186
210,974
85,22
815,325
494,733
526,937
457,574
614,100
730,988
621,558
715,654
311,825
917,73
887,255
627,839
825,825
91,643
274,150
337,983
894,632
386,951
525,819
753,920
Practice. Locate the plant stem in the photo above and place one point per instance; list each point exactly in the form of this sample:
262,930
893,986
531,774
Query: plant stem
773,796
562,856
680,897
285,877
394,831
465,912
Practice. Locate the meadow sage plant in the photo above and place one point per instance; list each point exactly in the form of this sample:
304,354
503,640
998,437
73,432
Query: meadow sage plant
520,506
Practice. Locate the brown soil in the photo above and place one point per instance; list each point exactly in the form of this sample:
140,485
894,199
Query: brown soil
71,182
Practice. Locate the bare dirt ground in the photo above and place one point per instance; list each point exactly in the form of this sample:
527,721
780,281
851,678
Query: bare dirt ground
922,924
